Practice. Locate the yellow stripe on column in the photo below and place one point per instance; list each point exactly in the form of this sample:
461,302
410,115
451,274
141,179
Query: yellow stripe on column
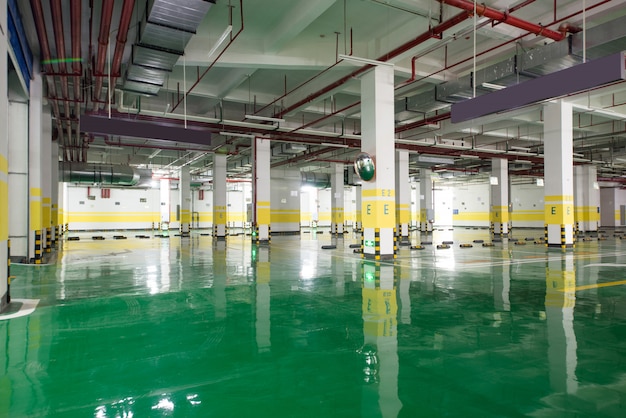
378,193
45,212
263,214
403,213
219,215
35,209
185,216
559,213
379,213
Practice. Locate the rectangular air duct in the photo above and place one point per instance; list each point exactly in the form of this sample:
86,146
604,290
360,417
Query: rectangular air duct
571,80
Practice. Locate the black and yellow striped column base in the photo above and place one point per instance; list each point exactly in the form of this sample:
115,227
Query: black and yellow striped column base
220,237
563,243
38,249
48,249
256,237
377,255
8,295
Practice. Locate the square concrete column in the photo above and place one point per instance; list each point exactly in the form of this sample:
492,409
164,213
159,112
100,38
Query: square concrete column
36,233
499,208
220,212
18,178
54,196
46,174
261,191
4,165
358,226
586,198
403,195
336,200
185,201
559,175
377,139
427,211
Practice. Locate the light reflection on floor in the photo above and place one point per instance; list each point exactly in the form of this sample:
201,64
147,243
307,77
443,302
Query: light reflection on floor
193,327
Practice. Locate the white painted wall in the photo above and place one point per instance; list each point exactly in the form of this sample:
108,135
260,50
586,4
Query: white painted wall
471,205
324,207
527,206
611,201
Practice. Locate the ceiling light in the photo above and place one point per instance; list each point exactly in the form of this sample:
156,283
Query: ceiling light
221,40
575,154
493,86
473,157
363,61
265,118
331,144
238,135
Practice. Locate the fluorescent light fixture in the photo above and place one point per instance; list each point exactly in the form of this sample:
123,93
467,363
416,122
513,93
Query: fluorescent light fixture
473,157
221,40
331,144
493,86
519,148
522,162
264,118
539,182
575,154
106,147
363,61
493,181
238,135
620,159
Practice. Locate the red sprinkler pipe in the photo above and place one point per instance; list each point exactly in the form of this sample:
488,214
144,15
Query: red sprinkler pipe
433,32
103,42
122,33
482,10
46,56
200,77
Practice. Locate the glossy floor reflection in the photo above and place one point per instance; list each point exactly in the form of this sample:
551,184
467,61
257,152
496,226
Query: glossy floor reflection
193,327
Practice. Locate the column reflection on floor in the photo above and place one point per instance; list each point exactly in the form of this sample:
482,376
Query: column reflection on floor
261,268
380,346
560,302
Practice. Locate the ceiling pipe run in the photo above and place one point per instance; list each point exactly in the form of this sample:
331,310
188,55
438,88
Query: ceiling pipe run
75,15
122,34
46,56
103,43
482,10
431,33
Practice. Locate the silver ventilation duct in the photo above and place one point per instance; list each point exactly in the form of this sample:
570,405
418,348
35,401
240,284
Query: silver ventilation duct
163,35
103,174
317,180
601,40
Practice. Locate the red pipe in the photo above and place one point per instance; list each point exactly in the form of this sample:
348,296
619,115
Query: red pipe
103,42
232,39
122,34
392,54
57,22
76,18
482,10
40,25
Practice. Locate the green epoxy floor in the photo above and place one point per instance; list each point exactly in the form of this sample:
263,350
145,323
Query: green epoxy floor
171,327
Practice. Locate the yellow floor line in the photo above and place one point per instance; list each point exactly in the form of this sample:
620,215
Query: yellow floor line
594,286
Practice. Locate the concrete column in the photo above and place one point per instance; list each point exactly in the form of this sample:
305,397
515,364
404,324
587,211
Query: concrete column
261,191
378,194
359,202
220,210
586,198
499,213
54,184
35,228
559,176
185,201
336,200
562,345
403,195
46,174
427,211
4,164
18,179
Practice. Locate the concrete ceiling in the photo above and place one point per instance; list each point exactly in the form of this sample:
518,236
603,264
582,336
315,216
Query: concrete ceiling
286,52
